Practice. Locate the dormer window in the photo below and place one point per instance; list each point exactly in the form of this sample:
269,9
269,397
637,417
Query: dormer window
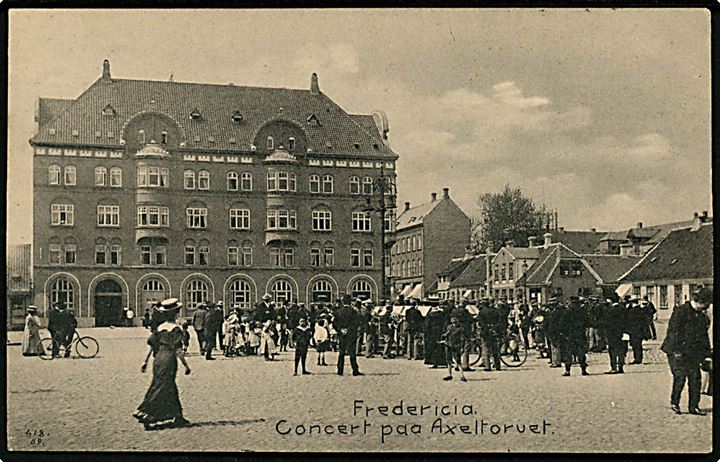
110,135
328,145
163,138
141,136
313,120
356,145
211,140
195,114
270,142
376,147
108,111
232,141
237,117
75,133
52,131
291,143
196,138
98,134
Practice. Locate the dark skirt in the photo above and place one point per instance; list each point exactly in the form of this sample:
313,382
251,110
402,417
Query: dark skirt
162,400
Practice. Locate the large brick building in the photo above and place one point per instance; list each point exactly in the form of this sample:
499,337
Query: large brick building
427,238
151,189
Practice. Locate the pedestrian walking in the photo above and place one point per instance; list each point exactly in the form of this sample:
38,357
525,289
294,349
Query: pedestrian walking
31,334
413,323
454,339
552,334
687,345
55,328
302,336
614,322
347,322
213,325
651,313
638,330
432,334
572,335
387,330
161,407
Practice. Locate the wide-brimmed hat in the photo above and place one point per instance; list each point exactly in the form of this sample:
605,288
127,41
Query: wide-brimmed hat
32,308
267,297
170,304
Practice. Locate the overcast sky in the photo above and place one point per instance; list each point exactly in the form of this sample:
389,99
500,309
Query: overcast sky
601,114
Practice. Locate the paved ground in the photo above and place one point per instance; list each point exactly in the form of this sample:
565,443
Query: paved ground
236,405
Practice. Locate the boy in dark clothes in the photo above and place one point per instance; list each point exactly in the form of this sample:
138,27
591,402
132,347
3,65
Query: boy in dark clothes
454,339
185,336
301,336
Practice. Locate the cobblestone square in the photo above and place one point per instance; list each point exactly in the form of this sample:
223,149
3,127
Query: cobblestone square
244,404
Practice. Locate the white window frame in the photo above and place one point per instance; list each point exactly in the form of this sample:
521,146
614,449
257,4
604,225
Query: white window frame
232,177
161,213
321,220
246,177
356,257
54,175
115,177
62,215
196,292
70,175
368,254
328,185
196,217
239,218
233,253
355,185
203,183
270,143
108,216
275,216
189,179
367,185
361,222
101,176
315,184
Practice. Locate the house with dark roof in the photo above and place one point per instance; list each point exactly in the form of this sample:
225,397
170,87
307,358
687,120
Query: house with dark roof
144,190
471,284
669,273
427,237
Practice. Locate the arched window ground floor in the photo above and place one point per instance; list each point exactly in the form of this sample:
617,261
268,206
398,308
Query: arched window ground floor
99,297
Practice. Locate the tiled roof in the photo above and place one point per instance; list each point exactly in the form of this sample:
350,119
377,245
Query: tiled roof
578,241
455,267
615,236
415,215
337,132
48,108
610,267
473,275
683,254
523,252
542,269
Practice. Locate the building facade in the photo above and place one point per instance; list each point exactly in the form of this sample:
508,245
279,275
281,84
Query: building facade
18,284
146,189
427,238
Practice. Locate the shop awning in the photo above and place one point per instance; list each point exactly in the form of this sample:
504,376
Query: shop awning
416,292
406,290
623,290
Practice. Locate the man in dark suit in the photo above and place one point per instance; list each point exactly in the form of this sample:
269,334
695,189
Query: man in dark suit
265,312
614,323
491,331
687,345
54,327
413,324
213,326
347,321
571,331
199,321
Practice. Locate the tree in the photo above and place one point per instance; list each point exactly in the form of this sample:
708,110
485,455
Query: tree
507,215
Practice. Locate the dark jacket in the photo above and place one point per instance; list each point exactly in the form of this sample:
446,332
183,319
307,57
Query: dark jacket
489,320
214,320
687,334
454,336
614,322
571,328
302,337
349,319
264,312
54,320
199,319
413,319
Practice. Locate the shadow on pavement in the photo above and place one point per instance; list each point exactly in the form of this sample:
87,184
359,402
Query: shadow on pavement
225,423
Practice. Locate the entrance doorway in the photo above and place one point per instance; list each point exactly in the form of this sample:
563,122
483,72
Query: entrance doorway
108,304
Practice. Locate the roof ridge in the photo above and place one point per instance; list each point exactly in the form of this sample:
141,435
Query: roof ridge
208,84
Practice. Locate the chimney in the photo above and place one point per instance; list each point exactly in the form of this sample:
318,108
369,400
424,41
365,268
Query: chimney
106,71
433,197
531,241
407,206
562,229
548,239
594,230
639,225
314,86
626,249
509,243
446,193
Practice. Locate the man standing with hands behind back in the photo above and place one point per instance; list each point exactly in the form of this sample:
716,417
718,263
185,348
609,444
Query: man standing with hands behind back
687,344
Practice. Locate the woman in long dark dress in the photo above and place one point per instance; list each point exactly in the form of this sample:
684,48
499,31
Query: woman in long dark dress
161,407
434,327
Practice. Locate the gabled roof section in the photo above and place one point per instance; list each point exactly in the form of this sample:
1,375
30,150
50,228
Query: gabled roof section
610,267
683,254
578,241
337,132
540,272
455,267
615,236
523,252
49,108
474,273
414,216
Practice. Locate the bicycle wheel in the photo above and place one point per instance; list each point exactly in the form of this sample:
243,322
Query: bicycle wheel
87,347
475,352
45,347
518,358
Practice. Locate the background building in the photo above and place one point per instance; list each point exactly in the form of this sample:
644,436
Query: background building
150,189
427,238
18,284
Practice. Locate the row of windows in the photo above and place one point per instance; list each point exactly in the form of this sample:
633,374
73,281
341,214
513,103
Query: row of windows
158,177
407,269
408,244
197,217
199,255
504,272
63,290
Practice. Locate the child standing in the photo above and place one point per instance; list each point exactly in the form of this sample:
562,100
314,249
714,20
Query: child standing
322,341
253,338
454,340
302,335
185,336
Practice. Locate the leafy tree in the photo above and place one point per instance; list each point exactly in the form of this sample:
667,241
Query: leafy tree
507,215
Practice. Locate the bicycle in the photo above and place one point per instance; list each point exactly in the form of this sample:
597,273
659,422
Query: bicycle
508,358
86,347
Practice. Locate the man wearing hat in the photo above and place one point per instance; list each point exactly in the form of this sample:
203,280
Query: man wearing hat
614,321
199,319
347,321
637,328
265,311
552,331
490,334
572,336
687,345
54,327
213,327
413,325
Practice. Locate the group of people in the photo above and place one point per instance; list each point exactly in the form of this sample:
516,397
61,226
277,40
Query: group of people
61,325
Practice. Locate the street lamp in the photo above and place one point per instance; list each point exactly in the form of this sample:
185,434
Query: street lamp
384,188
